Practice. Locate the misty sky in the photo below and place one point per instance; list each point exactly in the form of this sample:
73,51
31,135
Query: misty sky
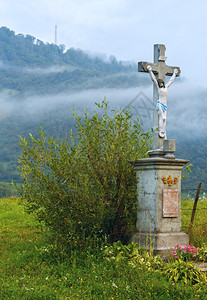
127,29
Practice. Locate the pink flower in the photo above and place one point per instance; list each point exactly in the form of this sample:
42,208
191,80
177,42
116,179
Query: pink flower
174,254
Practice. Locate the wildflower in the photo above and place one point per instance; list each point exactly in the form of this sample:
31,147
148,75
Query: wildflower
174,254
114,285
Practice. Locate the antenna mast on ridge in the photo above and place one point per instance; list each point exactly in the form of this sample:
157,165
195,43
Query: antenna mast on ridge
55,34
56,48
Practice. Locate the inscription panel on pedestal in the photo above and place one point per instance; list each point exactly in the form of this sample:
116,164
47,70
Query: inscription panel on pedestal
170,203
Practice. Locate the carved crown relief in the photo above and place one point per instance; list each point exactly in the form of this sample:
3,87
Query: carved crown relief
170,180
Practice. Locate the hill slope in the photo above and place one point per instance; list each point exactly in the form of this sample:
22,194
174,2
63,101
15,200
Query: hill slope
41,83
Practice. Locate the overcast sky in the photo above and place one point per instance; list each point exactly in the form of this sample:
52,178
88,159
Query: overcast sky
127,29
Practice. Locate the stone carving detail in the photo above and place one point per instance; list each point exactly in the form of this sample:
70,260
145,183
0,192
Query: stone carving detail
175,180
169,180
170,203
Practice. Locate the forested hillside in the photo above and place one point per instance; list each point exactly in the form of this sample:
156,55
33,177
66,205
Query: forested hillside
41,83
34,76
194,150
29,65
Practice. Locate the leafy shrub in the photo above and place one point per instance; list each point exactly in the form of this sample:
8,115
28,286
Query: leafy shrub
135,256
84,188
118,251
147,261
202,253
183,271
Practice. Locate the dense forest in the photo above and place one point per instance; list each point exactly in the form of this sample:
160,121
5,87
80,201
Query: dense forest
35,80
29,65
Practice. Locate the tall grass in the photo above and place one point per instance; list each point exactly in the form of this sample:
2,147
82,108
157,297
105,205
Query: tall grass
29,271
198,234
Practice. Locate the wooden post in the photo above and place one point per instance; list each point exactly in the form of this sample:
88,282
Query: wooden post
194,207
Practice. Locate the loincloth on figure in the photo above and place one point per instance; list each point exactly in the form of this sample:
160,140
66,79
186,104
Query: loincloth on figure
163,106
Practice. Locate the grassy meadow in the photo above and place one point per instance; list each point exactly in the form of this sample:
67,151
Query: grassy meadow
29,270
198,235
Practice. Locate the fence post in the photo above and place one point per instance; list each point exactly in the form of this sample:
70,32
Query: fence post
194,207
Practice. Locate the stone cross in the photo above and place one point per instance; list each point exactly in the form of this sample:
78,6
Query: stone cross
160,70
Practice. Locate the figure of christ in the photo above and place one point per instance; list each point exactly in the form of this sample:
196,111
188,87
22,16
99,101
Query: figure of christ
161,105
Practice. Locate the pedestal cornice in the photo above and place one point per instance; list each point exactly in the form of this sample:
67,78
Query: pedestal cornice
158,162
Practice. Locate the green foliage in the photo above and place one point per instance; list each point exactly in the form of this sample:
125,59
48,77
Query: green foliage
27,273
186,171
133,255
202,253
85,187
183,271
198,232
118,251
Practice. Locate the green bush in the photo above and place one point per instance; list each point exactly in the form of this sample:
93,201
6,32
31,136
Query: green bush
185,272
84,187
134,255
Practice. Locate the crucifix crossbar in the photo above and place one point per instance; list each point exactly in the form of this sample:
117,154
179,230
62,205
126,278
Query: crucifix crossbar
159,67
160,70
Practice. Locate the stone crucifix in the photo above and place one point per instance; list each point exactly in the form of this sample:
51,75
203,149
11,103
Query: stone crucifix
158,70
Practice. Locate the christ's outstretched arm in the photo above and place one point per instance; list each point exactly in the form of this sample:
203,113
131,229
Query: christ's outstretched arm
149,68
172,78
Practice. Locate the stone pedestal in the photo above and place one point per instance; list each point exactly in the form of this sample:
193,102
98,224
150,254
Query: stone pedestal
159,200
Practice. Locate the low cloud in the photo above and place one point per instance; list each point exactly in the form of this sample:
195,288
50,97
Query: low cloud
50,70
186,116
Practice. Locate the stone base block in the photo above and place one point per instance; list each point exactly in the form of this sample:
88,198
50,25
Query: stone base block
160,242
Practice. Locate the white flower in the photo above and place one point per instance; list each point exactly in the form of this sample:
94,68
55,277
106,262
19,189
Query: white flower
114,285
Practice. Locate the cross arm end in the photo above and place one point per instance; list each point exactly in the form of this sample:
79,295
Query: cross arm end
142,66
171,70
